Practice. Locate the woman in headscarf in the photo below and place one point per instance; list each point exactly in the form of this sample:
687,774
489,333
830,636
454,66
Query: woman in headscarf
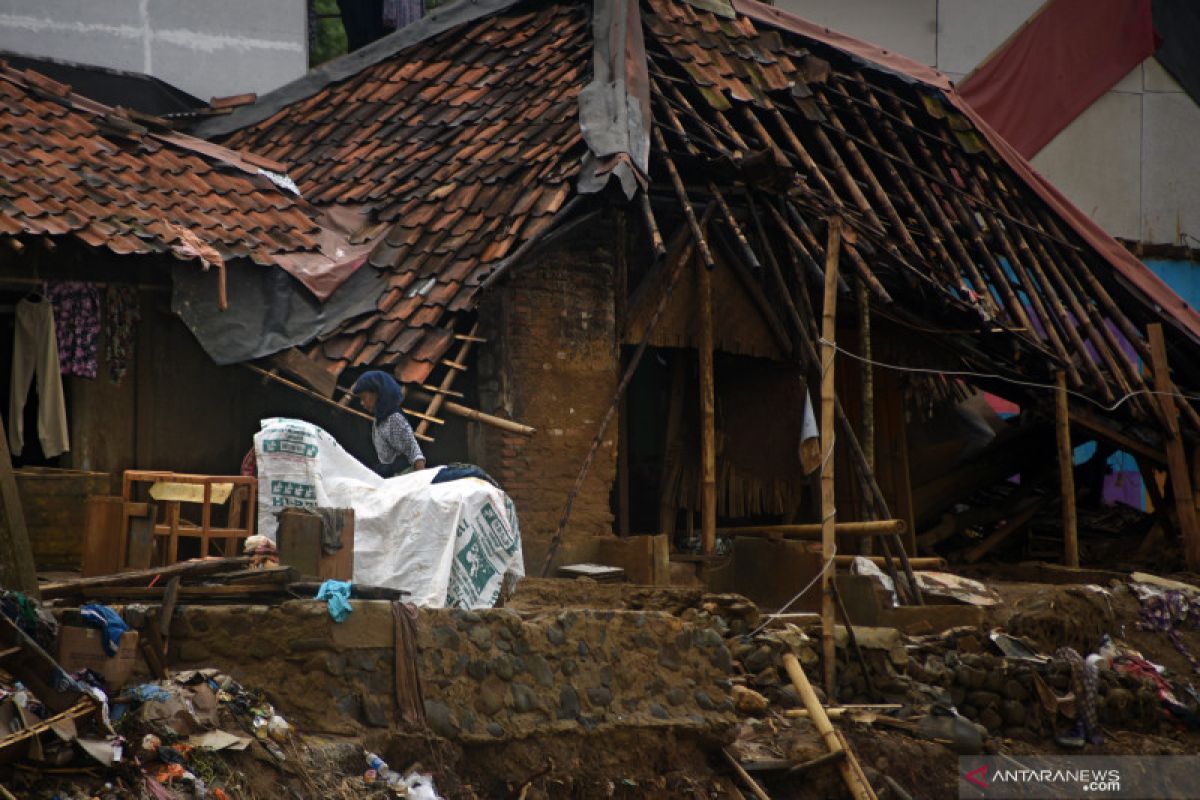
391,432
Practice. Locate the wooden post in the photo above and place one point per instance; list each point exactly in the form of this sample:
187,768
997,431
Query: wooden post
708,433
1177,466
17,570
1066,471
828,506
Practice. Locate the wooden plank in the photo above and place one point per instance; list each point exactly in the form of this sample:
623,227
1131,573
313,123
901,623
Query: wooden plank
190,569
1177,466
708,433
1066,471
1014,524
16,556
102,536
308,371
828,500
185,592
1103,429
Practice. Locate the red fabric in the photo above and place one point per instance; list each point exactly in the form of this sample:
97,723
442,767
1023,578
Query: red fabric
1052,69
1135,274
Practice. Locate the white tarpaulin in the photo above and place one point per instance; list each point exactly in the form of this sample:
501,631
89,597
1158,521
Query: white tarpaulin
448,544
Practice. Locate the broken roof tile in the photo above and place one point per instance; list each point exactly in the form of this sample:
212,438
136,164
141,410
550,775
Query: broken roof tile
72,168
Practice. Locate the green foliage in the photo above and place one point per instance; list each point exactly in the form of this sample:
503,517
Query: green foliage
328,38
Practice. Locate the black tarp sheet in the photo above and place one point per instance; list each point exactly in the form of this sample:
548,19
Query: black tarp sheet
269,310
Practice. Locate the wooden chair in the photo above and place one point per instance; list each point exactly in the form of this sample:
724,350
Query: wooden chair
239,492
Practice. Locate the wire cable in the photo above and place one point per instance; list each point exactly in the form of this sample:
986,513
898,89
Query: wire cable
962,373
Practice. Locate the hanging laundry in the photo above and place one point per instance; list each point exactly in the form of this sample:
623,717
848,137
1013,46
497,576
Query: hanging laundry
77,324
35,351
402,13
121,315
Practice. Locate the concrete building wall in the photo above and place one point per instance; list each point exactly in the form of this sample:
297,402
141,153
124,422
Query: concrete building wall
1128,160
205,47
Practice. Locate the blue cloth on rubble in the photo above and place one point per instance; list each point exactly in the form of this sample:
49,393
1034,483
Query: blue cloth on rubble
99,616
337,595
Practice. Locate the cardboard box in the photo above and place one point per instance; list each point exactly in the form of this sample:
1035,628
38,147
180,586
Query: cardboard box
80,648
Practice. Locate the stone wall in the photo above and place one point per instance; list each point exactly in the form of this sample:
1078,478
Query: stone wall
487,676
551,361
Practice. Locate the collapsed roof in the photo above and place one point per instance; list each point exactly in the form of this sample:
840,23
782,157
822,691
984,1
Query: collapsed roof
466,135
73,167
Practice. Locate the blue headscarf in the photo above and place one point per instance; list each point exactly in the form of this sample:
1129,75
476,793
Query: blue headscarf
388,393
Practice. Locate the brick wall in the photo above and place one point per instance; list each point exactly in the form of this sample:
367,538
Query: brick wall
551,362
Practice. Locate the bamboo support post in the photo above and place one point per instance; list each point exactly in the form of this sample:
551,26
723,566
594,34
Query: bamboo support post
1177,466
1066,471
865,476
828,505
820,721
708,434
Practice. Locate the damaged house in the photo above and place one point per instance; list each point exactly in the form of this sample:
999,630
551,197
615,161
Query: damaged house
621,212
98,208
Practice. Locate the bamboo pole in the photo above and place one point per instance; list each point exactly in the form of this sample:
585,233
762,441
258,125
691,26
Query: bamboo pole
824,727
805,530
751,784
1177,466
866,479
828,506
708,433
1066,471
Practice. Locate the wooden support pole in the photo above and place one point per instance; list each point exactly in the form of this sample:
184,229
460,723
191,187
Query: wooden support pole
816,712
1177,466
708,415
17,570
1066,471
828,504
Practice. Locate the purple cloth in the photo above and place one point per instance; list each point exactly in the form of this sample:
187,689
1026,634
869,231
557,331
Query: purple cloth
402,13
76,325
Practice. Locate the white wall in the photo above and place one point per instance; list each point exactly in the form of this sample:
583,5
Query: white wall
205,47
1130,160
